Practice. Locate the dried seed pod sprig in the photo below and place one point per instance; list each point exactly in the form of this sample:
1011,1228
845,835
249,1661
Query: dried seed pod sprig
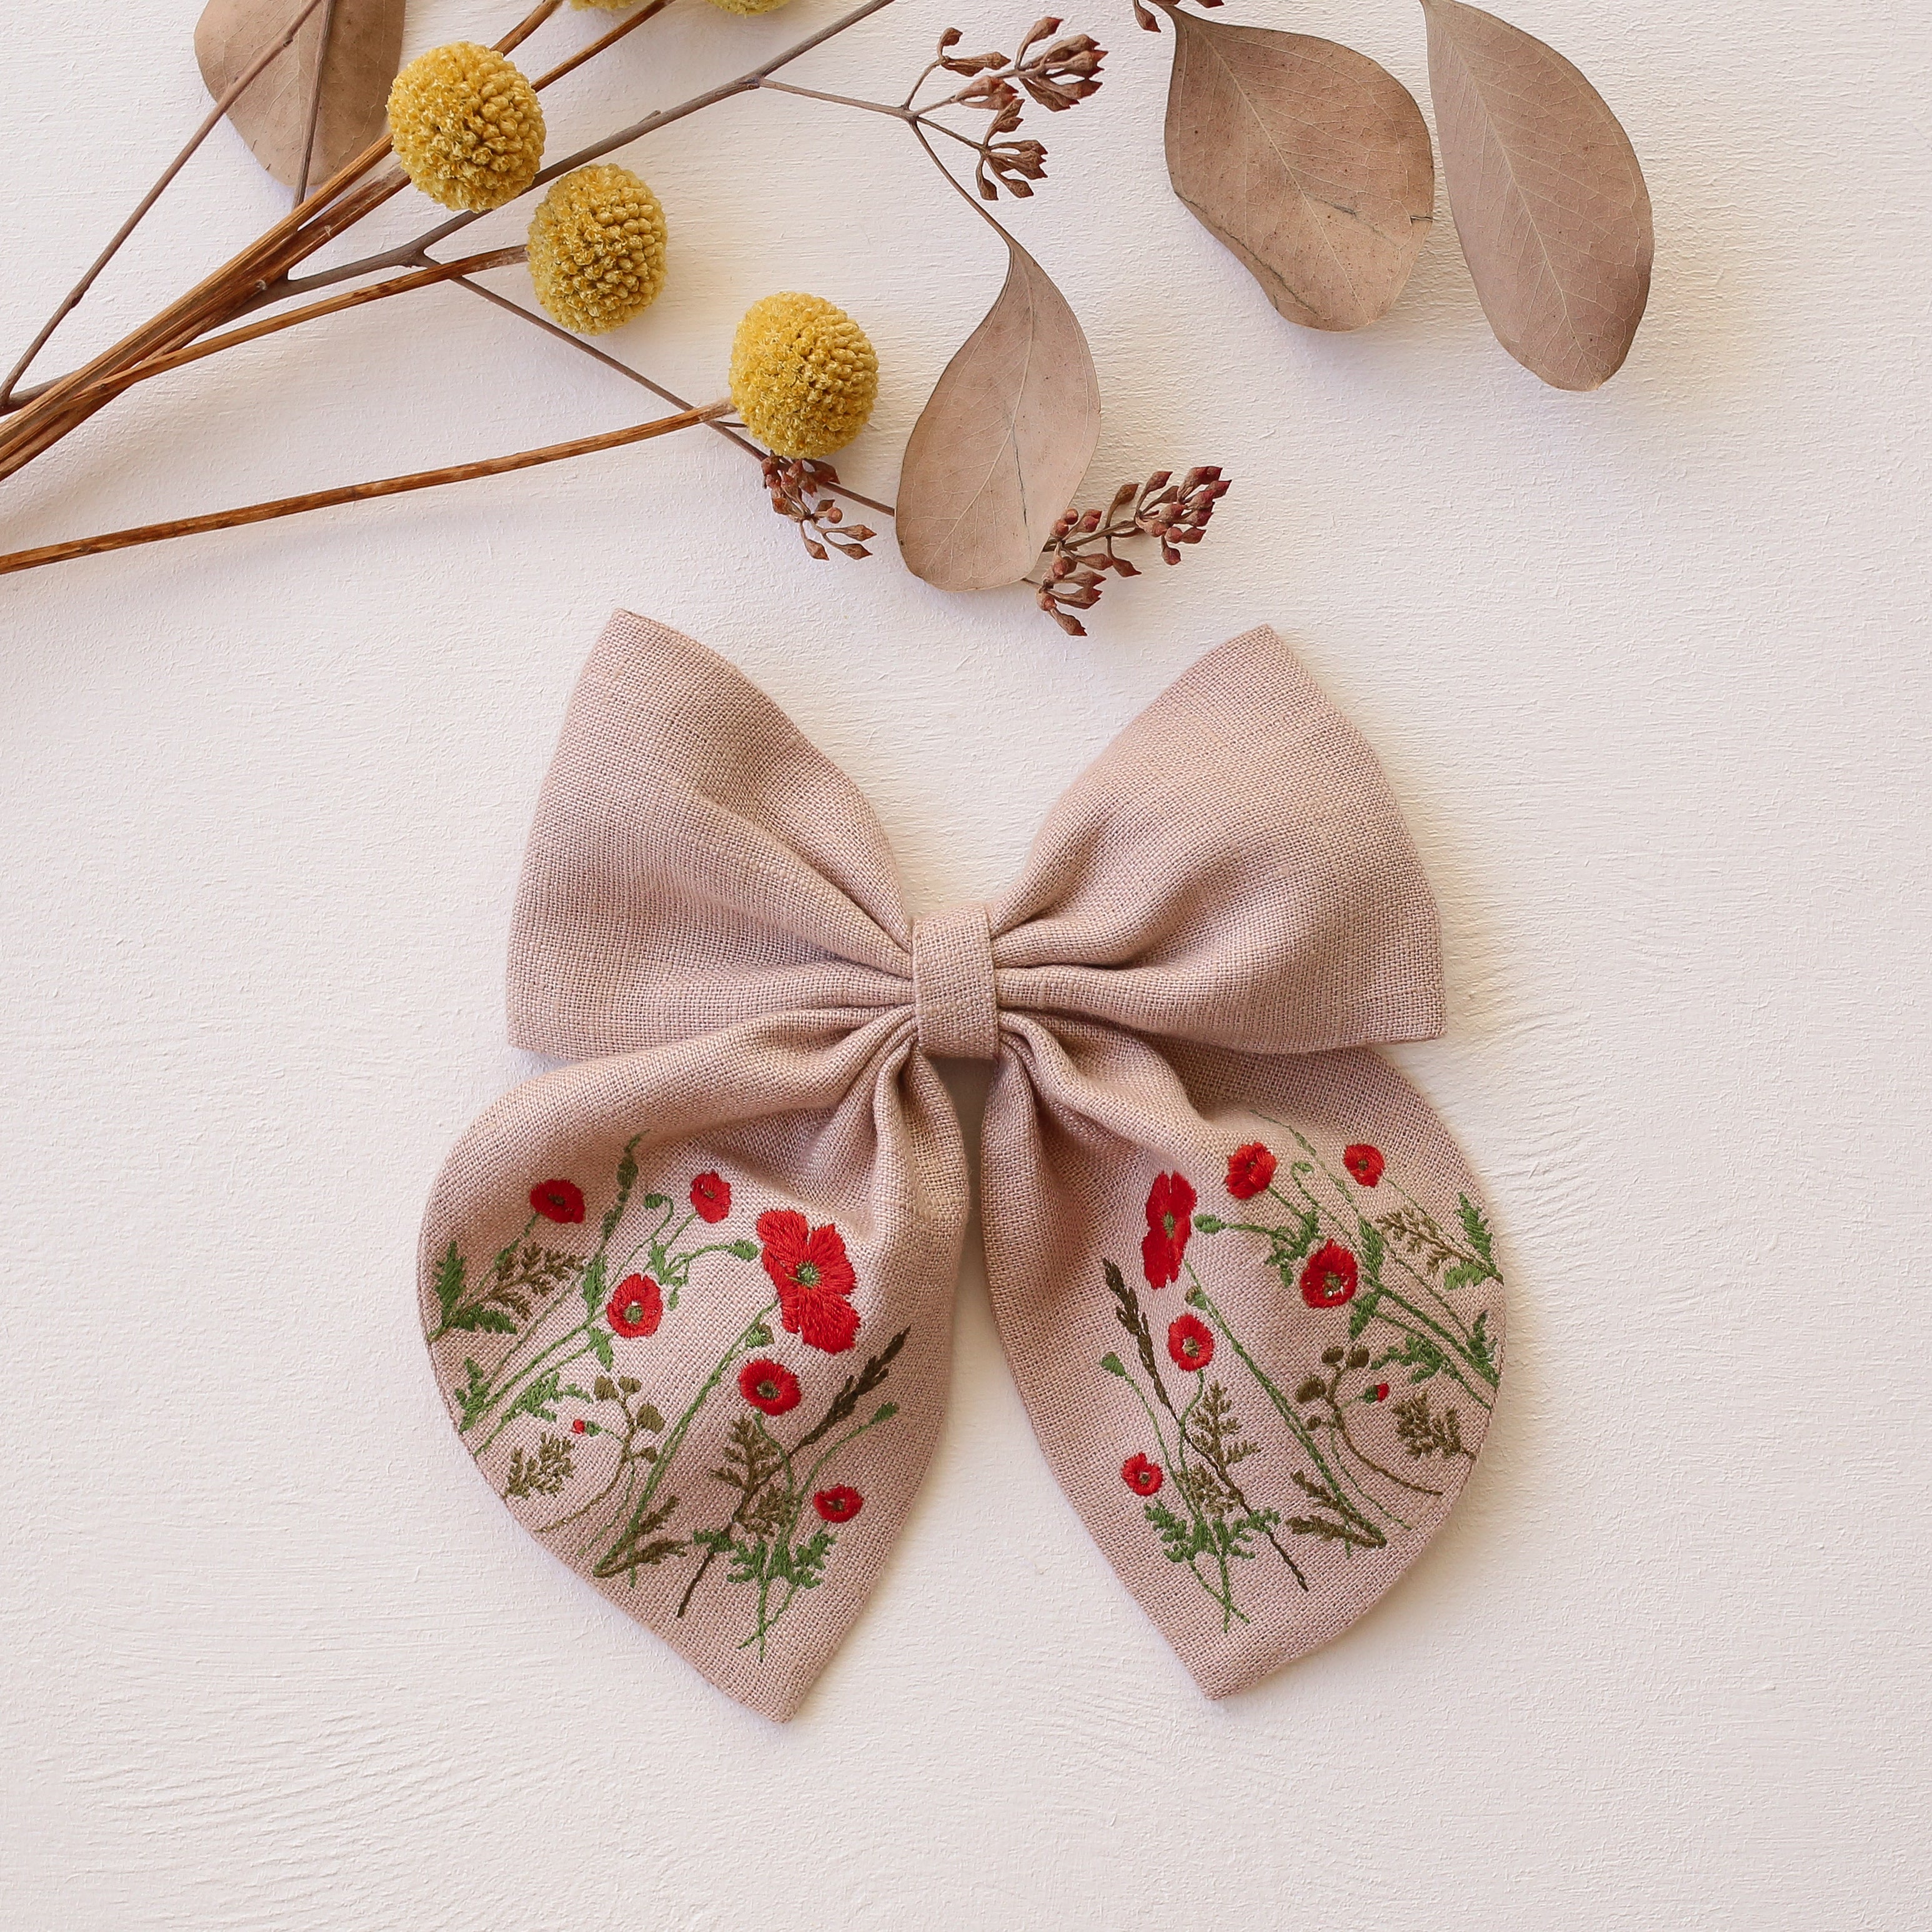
1076,563
800,487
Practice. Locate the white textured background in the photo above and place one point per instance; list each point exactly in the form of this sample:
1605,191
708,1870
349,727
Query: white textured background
1647,668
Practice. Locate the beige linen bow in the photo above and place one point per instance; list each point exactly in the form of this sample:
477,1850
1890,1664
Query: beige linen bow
689,1297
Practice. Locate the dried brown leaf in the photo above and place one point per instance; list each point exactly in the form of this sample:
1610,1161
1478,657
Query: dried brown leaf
1308,161
1000,448
365,47
1549,201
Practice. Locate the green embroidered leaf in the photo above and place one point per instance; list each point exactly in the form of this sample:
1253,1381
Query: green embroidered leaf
1291,1246
592,1285
1209,1224
746,1251
1112,1364
1476,1228
1362,1312
479,1315
474,1395
600,1345
648,1419
1372,1248
627,1179
449,1277
1482,1345
537,1397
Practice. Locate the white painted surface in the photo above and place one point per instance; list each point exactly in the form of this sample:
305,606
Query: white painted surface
1647,668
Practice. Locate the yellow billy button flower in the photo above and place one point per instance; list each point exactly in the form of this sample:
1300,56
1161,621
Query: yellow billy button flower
745,6
597,249
803,376
466,126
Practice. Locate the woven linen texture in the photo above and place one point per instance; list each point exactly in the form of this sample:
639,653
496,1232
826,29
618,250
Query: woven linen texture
689,1296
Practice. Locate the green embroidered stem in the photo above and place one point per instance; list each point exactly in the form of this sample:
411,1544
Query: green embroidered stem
618,1557
516,1409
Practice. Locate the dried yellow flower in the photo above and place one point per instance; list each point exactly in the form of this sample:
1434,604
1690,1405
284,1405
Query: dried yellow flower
746,6
466,126
803,376
597,249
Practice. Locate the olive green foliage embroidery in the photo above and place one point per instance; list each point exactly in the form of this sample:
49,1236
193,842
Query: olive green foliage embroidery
1425,1433
543,1474
579,1324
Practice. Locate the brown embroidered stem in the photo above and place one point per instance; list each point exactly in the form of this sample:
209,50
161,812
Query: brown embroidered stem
353,493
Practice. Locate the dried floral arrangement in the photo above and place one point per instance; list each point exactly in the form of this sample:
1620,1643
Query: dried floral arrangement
1309,161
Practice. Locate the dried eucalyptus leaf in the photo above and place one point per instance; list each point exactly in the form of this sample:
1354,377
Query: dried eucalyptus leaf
1307,160
1549,201
1000,448
365,48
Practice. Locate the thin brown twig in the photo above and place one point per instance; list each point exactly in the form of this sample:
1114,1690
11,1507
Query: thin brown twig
598,46
315,103
356,493
637,375
207,126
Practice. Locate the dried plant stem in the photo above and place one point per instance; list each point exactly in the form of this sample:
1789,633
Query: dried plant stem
425,277
315,102
637,375
357,493
598,46
217,297
72,299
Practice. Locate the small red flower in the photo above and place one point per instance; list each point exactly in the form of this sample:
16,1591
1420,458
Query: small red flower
1143,1477
711,1195
558,1200
1364,1162
808,1268
768,1385
1170,1207
1250,1169
839,1504
636,1309
1329,1278
576,1427
1379,1393
1190,1342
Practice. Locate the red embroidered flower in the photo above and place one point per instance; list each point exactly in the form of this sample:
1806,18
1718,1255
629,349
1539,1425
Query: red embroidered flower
839,1504
1190,1342
636,1309
558,1200
711,1195
1143,1477
1170,1205
768,1385
1250,1169
1379,1393
808,1268
576,1427
1329,1278
1364,1162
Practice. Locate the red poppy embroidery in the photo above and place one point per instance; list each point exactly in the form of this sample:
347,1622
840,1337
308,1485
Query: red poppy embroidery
1170,1207
1250,1169
711,1195
839,1504
1329,1278
1144,1477
558,1200
808,1268
1190,1342
636,1309
768,1385
1364,1162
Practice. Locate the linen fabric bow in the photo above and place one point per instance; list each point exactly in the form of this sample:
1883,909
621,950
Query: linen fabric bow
689,1297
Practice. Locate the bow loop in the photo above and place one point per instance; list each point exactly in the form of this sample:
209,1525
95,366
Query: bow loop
689,1298
954,1000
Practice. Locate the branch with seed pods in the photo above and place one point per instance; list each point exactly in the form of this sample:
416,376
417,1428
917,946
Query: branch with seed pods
1082,553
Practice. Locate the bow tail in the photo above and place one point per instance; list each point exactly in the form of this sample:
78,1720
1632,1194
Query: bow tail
1251,1304
691,1310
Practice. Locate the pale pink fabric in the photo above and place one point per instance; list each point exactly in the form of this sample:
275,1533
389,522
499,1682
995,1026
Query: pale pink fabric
1215,923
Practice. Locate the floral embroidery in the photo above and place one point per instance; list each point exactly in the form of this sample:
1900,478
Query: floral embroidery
1190,1342
808,1268
1250,1169
569,1338
769,1386
558,1200
1330,1276
1364,1162
1398,1289
636,1309
1170,1202
711,1196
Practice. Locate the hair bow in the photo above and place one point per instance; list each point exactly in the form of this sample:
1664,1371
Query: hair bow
689,1297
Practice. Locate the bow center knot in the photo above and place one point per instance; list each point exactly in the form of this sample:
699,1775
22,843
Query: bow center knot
955,1005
